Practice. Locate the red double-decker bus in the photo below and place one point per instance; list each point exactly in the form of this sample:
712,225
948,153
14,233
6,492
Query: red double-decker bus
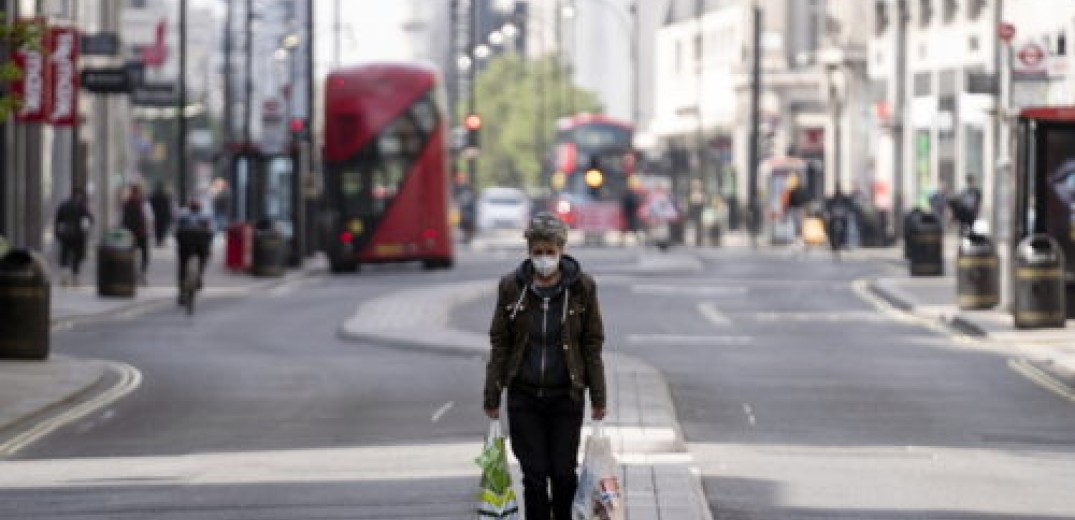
594,160
386,187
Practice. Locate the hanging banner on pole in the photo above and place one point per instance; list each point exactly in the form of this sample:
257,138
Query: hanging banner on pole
62,47
32,88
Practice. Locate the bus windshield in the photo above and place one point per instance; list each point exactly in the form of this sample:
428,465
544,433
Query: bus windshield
369,181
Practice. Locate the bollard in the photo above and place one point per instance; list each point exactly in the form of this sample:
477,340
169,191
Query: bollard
25,298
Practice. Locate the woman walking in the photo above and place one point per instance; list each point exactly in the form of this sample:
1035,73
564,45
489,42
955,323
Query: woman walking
546,337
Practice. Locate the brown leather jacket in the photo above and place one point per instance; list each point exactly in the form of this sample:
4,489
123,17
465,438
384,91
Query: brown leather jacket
583,338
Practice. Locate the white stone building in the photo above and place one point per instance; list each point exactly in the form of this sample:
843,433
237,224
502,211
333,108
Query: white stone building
949,126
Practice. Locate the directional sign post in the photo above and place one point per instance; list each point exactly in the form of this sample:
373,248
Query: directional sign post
106,81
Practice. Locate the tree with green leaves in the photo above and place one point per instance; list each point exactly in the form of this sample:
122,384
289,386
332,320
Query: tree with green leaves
519,102
14,36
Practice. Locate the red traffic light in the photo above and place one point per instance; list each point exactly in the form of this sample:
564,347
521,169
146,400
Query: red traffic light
297,124
473,122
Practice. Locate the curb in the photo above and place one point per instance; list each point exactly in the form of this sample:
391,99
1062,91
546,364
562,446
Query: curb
156,303
95,395
1046,373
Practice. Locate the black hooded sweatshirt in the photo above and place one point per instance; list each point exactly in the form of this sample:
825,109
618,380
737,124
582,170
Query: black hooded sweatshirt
544,370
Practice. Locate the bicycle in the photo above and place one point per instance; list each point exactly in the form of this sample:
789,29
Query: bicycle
191,275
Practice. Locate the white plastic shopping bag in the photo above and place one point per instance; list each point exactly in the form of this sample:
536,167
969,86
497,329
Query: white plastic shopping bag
496,500
598,496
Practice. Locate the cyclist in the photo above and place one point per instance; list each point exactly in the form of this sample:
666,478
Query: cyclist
193,237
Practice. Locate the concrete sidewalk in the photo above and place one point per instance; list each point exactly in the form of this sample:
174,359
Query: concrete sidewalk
30,391
657,475
1045,355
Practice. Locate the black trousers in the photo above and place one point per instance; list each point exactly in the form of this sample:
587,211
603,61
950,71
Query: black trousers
184,256
545,433
72,252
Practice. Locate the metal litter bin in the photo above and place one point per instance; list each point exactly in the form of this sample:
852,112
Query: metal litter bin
925,238
1038,278
269,253
25,300
977,273
116,276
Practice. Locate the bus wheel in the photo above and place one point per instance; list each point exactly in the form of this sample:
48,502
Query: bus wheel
439,263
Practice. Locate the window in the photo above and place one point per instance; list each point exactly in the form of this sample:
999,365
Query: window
925,13
973,44
881,19
975,8
951,7
138,4
370,182
923,84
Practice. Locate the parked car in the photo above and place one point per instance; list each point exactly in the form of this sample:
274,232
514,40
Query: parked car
503,208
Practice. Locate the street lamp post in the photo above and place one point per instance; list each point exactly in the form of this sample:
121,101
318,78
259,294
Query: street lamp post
836,84
287,51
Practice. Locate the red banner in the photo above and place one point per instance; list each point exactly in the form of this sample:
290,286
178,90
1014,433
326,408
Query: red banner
61,107
32,88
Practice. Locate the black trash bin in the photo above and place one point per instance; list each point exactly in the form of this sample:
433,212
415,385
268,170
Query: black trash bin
1038,277
116,275
977,273
926,246
269,253
910,221
25,300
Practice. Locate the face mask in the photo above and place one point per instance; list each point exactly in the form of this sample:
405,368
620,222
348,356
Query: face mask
545,265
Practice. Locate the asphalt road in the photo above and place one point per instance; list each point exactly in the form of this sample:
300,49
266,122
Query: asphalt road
254,409
799,400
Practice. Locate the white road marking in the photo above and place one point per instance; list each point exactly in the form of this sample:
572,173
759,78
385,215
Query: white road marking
690,290
1040,378
751,418
437,415
129,380
837,316
710,312
674,339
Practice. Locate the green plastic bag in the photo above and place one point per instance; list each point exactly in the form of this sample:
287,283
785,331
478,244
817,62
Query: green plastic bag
496,499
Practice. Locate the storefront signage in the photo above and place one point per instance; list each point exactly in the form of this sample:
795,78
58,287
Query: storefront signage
61,44
32,88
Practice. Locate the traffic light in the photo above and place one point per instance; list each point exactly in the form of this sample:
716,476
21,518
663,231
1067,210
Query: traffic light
595,179
473,125
299,128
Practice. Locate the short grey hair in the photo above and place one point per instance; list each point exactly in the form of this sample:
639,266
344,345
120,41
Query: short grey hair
546,227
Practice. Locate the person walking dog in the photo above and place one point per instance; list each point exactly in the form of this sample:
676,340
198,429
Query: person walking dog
546,335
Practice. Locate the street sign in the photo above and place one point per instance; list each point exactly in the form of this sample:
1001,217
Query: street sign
1030,62
100,44
136,72
114,80
160,95
1006,32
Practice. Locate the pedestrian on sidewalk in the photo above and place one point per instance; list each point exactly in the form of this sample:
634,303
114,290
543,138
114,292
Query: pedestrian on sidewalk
161,202
136,218
71,226
546,335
